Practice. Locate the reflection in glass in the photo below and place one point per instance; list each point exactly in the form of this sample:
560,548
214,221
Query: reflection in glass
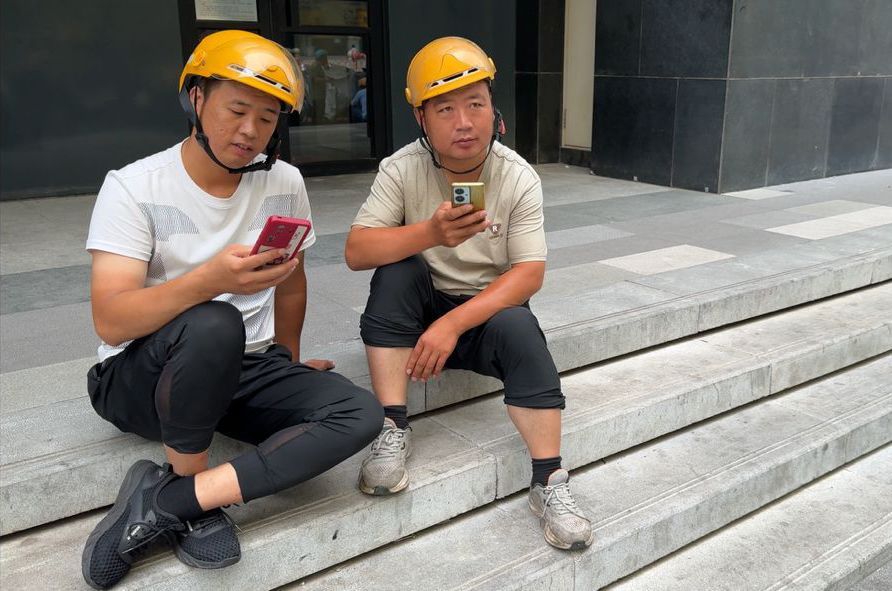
336,13
334,122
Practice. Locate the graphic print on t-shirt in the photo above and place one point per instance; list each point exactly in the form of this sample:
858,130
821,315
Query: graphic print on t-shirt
272,205
164,221
167,220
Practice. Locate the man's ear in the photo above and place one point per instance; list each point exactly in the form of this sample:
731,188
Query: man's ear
419,117
196,96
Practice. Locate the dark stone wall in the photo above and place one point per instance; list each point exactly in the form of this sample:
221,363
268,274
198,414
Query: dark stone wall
540,79
722,95
660,69
807,91
413,24
86,87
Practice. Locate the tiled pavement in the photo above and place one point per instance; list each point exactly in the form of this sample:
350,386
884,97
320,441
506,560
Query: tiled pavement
600,231
631,266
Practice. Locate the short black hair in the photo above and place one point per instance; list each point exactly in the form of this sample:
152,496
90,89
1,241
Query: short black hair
207,85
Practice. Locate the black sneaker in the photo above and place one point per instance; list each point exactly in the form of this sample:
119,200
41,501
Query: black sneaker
208,542
132,524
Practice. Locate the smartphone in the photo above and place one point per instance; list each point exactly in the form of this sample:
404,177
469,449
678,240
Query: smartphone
465,193
282,232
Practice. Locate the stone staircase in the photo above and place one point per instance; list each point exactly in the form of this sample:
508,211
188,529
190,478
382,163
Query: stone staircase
675,428
659,497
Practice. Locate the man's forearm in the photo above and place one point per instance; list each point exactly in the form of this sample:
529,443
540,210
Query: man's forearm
115,318
291,311
512,288
289,324
369,248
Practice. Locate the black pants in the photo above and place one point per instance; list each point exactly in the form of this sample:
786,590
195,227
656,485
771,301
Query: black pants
192,377
509,346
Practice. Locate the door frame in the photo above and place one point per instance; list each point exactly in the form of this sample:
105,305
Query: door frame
271,23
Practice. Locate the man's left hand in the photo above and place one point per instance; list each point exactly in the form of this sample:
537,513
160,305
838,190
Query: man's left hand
432,350
320,364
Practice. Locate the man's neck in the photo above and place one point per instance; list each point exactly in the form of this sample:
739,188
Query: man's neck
207,174
460,165
460,178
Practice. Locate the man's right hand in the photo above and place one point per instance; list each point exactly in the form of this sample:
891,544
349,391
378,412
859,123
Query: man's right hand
453,225
235,270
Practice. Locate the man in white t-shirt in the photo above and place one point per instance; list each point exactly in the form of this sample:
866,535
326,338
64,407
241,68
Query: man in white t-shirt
198,335
451,284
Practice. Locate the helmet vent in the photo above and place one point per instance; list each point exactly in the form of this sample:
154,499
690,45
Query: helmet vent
262,78
448,79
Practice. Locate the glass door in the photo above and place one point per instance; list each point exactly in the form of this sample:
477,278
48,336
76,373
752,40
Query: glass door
339,46
334,123
341,127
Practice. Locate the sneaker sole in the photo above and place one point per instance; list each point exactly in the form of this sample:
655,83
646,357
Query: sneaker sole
553,540
134,475
189,560
578,545
383,491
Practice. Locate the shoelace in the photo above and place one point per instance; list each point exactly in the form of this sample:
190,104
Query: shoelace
389,444
559,498
144,533
210,521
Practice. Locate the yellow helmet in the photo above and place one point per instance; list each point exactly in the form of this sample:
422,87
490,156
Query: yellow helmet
250,59
446,64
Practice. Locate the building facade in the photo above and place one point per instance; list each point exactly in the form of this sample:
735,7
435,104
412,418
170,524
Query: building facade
713,95
723,95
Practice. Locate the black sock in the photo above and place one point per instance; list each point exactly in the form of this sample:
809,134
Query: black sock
398,414
542,469
178,498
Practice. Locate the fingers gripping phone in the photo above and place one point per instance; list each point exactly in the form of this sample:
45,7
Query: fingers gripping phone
468,193
282,232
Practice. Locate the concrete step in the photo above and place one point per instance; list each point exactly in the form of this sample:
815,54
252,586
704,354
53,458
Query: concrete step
606,322
880,580
58,459
586,327
469,455
64,448
582,328
651,501
827,536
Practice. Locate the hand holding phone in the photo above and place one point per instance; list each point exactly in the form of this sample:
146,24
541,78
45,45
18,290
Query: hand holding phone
282,232
450,225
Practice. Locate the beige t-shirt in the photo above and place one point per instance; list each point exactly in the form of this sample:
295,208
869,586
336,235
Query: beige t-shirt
408,189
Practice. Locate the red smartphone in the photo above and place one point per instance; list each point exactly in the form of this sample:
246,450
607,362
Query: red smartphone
282,232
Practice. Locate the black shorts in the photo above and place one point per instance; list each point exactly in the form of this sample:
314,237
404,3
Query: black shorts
509,346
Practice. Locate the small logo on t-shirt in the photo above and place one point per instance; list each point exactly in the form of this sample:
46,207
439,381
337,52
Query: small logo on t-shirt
495,230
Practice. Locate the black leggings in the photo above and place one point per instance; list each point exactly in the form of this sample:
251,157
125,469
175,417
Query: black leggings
192,377
509,346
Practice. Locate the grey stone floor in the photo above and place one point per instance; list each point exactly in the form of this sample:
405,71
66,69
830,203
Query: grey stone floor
601,233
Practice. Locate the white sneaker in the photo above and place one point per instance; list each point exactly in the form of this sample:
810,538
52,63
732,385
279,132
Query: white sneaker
566,527
384,470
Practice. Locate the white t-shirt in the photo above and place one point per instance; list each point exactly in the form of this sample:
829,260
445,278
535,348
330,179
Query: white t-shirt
408,189
153,211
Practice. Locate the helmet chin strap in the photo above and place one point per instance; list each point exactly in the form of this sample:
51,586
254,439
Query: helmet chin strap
425,141
272,148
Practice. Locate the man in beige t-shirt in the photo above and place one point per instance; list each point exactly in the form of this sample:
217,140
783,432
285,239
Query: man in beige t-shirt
451,284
